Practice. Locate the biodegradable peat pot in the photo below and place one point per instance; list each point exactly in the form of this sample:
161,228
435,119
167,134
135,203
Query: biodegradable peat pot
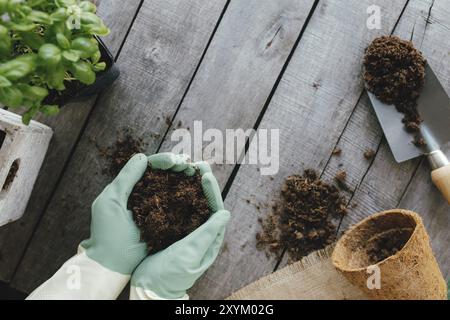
77,91
411,273
22,151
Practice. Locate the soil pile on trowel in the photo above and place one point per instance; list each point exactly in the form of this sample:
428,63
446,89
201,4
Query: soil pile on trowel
167,206
301,221
394,71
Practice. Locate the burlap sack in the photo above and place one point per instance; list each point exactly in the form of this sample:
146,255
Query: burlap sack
312,278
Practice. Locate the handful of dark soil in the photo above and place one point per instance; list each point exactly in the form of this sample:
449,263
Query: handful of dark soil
394,71
167,206
301,221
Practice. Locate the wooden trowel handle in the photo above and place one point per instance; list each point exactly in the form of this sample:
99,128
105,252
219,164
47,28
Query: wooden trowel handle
440,174
441,179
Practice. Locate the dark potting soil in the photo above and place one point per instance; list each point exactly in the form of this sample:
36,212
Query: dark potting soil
387,244
369,154
336,152
341,178
118,154
419,141
167,206
301,221
60,98
11,175
394,71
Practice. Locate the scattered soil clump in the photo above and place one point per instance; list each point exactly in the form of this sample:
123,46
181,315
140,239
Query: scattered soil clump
167,206
118,154
301,222
340,178
394,71
337,152
369,154
419,142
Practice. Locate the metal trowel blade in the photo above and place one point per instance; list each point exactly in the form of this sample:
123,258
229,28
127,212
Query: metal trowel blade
434,108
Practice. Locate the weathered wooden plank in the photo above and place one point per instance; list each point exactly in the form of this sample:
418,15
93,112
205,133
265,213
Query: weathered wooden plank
67,127
386,181
381,187
311,106
240,68
421,196
158,60
362,133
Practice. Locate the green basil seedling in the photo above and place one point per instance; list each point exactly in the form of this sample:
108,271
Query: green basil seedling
44,46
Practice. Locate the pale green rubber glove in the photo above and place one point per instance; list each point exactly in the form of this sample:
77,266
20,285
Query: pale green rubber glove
171,272
115,239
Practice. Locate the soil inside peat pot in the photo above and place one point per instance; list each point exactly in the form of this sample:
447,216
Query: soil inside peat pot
167,206
394,71
376,240
387,244
301,221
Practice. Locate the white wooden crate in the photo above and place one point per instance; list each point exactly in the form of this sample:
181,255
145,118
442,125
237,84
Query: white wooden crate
24,148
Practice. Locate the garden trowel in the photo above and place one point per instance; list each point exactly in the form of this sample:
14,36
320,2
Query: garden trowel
434,108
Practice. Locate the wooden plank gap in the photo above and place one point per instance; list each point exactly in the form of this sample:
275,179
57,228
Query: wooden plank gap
129,30
193,76
416,169
230,180
352,191
359,184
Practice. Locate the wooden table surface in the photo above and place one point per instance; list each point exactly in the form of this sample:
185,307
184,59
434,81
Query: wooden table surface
293,65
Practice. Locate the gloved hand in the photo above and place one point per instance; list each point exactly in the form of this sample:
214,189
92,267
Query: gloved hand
105,261
115,238
170,273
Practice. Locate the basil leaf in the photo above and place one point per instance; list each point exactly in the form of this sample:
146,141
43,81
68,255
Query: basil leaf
55,78
83,72
27,116
62,40
31,39
4,82
50,110
19,67
11,97
86,47
50,54
39,17
71,55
